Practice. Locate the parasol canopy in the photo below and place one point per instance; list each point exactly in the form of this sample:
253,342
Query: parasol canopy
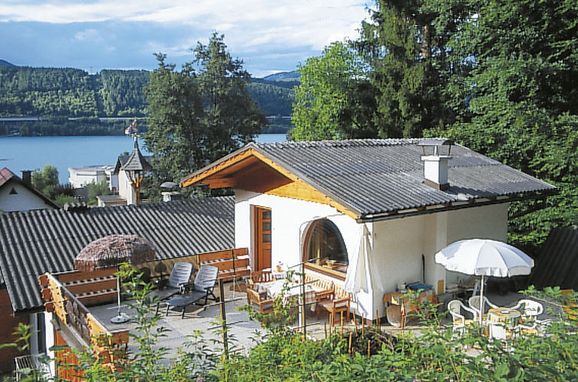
484,257
112,250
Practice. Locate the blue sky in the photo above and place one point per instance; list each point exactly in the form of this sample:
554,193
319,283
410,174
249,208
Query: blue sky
269,36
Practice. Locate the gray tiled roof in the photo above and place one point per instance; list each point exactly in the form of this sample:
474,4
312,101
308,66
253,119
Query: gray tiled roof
380,176
35,242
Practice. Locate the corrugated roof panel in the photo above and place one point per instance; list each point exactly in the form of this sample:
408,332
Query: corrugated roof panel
35,242
376,176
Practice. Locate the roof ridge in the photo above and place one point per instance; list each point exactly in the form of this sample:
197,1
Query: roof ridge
343,143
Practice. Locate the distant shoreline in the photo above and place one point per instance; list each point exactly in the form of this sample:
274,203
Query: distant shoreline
53,126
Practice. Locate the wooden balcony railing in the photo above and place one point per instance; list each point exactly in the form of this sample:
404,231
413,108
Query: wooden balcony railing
108,346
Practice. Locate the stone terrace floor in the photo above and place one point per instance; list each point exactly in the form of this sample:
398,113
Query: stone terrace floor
243,331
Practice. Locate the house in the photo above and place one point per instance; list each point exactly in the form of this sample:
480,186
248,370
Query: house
126,193
17,194
311,202
35,242
79,177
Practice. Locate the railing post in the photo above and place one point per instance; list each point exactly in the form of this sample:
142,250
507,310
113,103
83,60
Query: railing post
223,320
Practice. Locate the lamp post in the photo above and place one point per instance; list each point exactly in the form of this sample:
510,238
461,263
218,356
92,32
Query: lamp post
135,168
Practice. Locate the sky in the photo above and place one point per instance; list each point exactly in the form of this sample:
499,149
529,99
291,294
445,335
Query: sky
268,35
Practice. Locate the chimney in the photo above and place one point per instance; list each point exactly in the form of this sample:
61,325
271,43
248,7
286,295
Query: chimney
27,177
436,153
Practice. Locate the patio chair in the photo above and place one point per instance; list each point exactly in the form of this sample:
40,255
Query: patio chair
201,288
338,301
530,310
32,367
323,288
178,279
455,307
264,304
204,284
474,303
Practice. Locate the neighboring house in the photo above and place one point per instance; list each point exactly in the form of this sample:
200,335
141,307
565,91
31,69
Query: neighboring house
312,202
17,194
36,242
126,193
82,176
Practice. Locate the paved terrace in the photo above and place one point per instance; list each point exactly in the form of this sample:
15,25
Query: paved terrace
243,332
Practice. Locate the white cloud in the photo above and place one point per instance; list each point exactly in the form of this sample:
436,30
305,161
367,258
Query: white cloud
249,23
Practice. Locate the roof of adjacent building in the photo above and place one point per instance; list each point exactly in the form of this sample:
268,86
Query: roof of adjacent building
385,176
557,262
35,242
7,176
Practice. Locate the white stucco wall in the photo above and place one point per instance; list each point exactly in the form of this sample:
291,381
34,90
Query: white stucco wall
289,221
125,189
23,200
80,177
397,244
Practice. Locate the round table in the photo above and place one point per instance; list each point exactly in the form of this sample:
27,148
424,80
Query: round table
506,315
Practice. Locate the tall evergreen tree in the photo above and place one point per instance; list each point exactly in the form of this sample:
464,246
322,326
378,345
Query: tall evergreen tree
231,118
407,57
516,100
175,133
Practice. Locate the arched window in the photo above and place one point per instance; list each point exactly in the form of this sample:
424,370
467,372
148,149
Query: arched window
324,247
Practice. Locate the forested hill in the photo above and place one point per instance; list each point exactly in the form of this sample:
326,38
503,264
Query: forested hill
69,92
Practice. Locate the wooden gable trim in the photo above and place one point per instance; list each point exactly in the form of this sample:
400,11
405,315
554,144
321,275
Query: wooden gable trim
297,189
227,162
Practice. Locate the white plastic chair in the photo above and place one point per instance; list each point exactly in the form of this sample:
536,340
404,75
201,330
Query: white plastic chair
474,303
530,309
455,307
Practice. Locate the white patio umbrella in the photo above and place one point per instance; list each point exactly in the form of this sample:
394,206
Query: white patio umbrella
484,257
361,274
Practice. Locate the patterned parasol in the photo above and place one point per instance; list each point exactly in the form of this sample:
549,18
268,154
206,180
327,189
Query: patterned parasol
110,251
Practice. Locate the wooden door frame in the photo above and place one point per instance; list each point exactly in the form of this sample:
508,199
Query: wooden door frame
257,236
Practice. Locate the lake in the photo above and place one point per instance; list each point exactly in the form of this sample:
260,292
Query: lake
30,153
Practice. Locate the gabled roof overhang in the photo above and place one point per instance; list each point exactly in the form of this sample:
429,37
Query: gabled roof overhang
251,169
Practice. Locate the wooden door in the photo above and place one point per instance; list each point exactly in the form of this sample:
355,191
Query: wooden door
262,238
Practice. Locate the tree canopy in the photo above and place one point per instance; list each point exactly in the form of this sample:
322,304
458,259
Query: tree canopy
200,113
498,77
331,100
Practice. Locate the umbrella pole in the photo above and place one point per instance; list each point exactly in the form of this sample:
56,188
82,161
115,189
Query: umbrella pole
118,293
481,301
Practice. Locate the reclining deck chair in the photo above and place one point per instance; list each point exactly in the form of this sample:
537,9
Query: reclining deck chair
204,283
178,279
202,287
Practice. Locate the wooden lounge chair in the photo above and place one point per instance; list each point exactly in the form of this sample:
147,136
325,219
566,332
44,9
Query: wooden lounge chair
264,304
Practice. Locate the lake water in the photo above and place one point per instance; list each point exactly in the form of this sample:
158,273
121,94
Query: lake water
30,153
